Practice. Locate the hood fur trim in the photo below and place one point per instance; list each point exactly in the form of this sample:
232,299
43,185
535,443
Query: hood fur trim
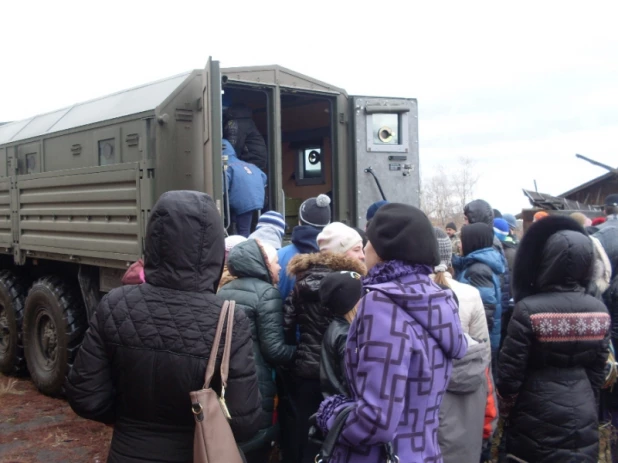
336,262
226,277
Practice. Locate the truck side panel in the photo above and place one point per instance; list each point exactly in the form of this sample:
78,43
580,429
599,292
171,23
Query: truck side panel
84,149
3,162
6,237
90,212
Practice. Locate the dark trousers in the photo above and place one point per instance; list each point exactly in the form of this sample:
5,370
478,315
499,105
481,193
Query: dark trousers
259,456
243,223
302,401
308,398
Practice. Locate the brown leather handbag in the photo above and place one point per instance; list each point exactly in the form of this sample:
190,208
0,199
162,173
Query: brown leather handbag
213,441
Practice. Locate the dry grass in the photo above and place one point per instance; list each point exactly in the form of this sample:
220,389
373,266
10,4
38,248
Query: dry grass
8,387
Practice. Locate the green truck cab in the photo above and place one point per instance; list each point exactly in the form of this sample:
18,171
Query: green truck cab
77,185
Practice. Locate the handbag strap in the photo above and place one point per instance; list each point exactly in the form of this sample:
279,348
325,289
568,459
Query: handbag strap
225,361
212,360
333,435
335,431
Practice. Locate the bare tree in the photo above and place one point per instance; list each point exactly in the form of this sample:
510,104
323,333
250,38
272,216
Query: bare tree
447,191
464,181
438,200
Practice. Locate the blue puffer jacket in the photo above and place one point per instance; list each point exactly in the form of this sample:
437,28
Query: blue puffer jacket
245,183
482,269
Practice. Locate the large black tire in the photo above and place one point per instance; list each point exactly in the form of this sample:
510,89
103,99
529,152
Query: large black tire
54,326
12,295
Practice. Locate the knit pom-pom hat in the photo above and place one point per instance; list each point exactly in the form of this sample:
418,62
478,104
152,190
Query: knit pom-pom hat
315,211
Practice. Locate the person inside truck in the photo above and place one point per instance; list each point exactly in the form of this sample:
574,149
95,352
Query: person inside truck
245,189
244,136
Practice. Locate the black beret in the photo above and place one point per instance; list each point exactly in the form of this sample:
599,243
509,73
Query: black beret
403,232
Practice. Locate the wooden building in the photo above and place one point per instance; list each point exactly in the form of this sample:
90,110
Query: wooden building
594,191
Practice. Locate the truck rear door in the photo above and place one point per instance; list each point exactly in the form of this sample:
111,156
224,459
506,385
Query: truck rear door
212,120
386,151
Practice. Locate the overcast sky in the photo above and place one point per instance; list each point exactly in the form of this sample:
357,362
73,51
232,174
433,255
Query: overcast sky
519,86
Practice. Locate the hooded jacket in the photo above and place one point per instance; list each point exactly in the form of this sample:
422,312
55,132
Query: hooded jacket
304,241
304,309
398,360
482,269
479,211
245,183
147,346
254,293
462,413
551,366
241,131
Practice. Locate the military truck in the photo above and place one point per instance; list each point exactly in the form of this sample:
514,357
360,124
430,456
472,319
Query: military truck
77,185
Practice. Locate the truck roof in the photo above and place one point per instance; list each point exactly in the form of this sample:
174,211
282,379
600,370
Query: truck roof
124,103
146,98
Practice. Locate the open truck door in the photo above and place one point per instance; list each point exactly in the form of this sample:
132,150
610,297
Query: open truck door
213,134
385,152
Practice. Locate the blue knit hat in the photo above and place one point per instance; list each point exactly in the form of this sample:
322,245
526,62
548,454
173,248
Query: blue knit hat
272,219
371,211
501,229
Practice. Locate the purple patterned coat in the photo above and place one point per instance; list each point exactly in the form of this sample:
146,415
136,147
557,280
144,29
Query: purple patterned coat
398,360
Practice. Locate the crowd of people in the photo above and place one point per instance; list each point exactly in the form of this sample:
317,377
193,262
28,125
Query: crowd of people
403,340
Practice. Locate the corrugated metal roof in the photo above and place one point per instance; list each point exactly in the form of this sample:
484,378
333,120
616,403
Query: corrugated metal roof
132,101
549,202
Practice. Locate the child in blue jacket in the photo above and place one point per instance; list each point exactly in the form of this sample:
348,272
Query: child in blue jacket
245,187
481,267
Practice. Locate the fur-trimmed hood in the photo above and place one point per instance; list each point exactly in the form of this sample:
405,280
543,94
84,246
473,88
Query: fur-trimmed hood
301,263
226,277
569,262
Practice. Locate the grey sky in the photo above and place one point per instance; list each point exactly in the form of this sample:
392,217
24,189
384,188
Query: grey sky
521,86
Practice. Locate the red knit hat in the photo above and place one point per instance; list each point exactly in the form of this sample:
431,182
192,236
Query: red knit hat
598,221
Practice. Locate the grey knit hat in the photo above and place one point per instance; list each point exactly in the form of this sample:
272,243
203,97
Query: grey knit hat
315,211
445,248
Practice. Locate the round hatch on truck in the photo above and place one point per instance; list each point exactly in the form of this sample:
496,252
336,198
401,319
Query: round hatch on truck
385,134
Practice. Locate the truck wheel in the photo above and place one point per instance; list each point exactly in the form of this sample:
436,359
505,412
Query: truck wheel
12,293
54,325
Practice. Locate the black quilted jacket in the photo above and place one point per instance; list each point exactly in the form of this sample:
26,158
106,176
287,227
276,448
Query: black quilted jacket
147,346
304,310
551,367
240,130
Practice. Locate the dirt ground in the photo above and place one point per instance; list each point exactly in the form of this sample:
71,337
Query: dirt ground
36,428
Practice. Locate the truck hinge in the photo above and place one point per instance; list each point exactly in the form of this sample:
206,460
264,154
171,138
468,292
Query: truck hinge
149,173
342,118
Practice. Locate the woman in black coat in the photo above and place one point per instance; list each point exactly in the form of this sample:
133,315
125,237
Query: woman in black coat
551,367
147,345
304,310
